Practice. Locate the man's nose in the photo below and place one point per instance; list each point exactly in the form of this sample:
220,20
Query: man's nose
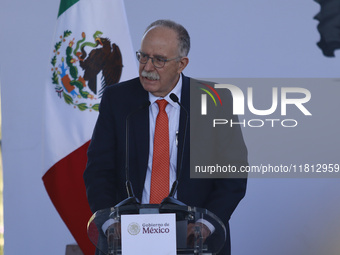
148,66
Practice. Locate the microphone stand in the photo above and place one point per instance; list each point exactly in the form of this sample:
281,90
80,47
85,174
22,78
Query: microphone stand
170,199
131,199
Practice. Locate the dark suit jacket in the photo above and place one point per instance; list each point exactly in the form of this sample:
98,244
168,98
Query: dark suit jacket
105,172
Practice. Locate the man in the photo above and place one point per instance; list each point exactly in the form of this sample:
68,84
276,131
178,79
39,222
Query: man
163,57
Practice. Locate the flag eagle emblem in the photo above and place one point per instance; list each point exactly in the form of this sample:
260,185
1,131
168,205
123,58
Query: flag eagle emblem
77,65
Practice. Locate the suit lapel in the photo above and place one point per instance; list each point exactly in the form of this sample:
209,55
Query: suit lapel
139,143
185,101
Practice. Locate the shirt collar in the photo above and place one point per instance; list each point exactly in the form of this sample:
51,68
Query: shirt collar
176,90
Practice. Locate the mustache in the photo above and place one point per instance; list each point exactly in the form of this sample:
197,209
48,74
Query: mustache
150,75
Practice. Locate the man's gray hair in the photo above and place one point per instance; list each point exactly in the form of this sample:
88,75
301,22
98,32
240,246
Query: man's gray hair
182,33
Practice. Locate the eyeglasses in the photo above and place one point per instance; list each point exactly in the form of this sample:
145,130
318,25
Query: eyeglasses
158,62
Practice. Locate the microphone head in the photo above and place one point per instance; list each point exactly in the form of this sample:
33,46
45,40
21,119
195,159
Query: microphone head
174,97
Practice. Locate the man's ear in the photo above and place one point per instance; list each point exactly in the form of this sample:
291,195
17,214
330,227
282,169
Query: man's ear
182,64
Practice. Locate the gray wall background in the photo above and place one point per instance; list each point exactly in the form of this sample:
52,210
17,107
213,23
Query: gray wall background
239,39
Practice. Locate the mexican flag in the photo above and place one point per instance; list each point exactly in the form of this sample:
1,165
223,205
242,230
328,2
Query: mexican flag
91,49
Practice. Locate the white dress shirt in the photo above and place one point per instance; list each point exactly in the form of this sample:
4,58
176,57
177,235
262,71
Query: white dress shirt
173,111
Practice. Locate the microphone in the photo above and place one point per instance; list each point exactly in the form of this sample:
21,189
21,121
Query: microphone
170,199
131,199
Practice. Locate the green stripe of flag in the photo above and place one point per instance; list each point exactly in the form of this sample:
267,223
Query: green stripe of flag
65,4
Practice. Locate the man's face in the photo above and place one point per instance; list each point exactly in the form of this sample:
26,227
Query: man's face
161,42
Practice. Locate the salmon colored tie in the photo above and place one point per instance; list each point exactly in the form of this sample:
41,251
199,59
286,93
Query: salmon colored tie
161,156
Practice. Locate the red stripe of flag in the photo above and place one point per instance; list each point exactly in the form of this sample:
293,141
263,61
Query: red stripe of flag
65,186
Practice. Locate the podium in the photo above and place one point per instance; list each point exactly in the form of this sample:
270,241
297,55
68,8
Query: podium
104,228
